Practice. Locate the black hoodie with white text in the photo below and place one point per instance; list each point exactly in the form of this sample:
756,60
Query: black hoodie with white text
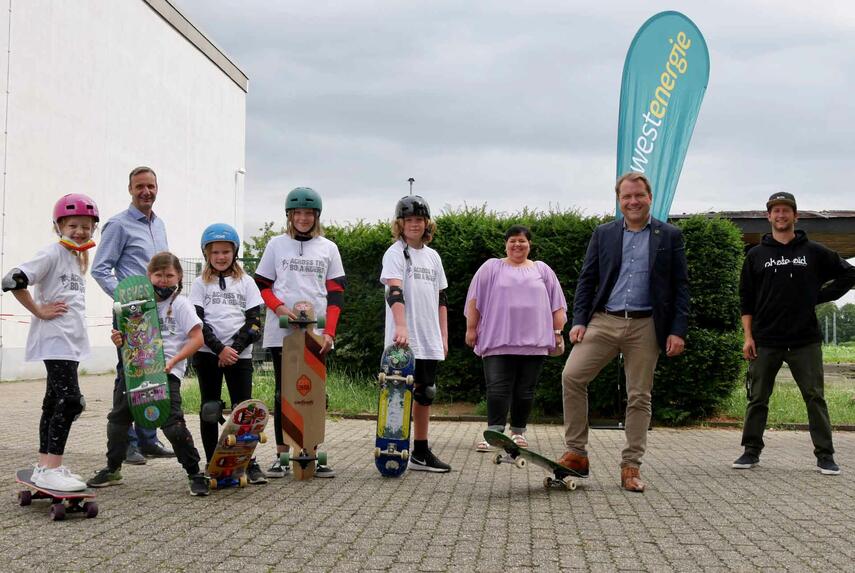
781,284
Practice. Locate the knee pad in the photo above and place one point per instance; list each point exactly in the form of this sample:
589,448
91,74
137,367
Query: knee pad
72,406
424,394
212,412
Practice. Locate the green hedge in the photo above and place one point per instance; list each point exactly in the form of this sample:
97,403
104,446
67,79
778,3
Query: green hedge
686,388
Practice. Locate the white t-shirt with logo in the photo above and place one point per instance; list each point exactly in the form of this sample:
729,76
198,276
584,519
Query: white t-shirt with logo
299,270
225,310
55,273
422,278
175,328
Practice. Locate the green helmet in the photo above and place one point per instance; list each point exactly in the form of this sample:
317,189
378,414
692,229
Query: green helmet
303,198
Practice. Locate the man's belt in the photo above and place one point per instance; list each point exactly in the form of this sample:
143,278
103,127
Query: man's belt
630,313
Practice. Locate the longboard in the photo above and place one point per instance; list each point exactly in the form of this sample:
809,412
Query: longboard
62,502
394,410
146,382
303,391
561,476
243,430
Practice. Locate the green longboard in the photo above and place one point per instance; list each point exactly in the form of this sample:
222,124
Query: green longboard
561,476
146,383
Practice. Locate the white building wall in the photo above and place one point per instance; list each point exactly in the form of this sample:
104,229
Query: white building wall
95,88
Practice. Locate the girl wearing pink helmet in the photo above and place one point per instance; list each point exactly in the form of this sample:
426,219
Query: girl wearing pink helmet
58,330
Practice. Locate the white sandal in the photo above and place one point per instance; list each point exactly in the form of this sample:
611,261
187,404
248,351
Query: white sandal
519,440
484,447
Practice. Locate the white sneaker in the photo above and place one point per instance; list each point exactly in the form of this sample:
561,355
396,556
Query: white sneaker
55,479
37,470
67,473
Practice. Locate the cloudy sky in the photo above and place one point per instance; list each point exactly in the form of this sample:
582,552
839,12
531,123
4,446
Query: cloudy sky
515,104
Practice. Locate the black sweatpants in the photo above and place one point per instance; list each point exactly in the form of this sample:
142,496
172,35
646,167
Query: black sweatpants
62,403
238,380
510,381
175,429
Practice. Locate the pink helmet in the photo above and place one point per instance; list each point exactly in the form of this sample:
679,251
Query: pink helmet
75,204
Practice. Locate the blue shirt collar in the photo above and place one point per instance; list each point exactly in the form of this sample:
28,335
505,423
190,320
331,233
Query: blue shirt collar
647,225
138,215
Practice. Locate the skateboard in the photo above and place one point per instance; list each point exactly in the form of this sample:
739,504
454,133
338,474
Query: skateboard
303,391
142,352
394,409
62,502
561,476
242,431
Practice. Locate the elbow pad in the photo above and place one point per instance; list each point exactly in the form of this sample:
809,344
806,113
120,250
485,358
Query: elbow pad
393,295
15,280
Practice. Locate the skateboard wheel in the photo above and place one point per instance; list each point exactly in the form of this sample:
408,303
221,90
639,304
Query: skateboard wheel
231,440
547,482
262,438
91,509
242,481
376,455
381,377
410,380
212,482
569,485
520,462
285,458
25,497
117,308
284,322
405,455
322,321
57,512
497,459
322,458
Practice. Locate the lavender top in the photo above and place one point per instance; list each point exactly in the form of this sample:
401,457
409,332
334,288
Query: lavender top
516,306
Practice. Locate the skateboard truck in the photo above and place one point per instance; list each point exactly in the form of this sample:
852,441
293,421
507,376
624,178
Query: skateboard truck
304,459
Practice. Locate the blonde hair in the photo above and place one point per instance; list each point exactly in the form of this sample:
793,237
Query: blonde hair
317,229
427,236
210,274
633,176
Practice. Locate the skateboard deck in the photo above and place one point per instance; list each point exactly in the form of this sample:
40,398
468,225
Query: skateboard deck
561,476
394,410
62,502
147,386
303,391
243,430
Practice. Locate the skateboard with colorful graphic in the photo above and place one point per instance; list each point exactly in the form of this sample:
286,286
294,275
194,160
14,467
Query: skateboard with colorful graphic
147,386
394,410
303,391
61,502
243,430
561,476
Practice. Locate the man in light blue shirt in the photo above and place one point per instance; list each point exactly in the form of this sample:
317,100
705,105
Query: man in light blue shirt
632,288
128,242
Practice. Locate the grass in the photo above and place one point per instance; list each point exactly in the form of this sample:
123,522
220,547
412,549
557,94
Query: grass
787,407
832,354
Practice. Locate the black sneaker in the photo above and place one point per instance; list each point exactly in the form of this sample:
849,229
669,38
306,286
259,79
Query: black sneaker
324,472
827,467
105,477
254,473
134,457
427,462
277,470
746,461
200,484
156,450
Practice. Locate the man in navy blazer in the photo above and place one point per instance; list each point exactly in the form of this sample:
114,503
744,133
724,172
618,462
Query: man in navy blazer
632,297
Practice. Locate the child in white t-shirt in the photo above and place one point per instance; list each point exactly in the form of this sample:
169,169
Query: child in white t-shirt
299,265
181,331
58,330
229,304
417,314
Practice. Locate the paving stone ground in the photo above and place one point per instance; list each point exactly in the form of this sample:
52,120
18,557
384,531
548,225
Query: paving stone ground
697,514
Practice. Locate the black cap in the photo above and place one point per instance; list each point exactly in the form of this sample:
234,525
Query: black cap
781,198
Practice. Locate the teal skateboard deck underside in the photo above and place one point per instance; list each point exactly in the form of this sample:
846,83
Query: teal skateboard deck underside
142,352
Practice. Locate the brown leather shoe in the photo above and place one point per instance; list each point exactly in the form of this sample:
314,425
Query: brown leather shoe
575,463
630,479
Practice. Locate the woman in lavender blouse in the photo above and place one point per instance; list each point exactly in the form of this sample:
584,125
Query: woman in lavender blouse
515,311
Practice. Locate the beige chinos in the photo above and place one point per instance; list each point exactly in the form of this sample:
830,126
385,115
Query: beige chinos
605,336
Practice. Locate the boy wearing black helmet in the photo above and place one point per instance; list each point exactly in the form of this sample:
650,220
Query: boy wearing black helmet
416,313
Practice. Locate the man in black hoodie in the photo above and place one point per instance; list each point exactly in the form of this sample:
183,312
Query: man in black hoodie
783,279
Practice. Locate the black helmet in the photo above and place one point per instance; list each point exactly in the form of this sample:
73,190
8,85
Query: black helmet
412,206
